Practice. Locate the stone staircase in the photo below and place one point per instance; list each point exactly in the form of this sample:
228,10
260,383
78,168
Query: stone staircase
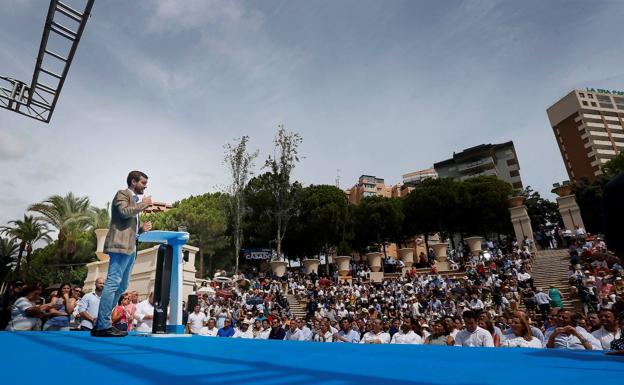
551,269
296,307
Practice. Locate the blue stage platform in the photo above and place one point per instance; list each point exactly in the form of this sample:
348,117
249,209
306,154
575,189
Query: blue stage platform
76,358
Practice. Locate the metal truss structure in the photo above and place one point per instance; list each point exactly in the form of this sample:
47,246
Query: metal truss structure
61,34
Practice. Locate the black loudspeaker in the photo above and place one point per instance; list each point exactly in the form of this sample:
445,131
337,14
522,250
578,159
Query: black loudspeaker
190,304
162,288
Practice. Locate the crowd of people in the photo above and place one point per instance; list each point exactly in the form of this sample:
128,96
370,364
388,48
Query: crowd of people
493,302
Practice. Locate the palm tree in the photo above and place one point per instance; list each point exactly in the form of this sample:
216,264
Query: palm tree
101,216
70,216
28,231
8,253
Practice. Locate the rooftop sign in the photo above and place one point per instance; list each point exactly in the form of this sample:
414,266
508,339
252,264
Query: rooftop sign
601,91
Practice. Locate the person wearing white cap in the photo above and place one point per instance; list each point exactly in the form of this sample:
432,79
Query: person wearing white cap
244,331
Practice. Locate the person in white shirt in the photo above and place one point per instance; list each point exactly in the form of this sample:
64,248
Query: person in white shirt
543,302
145,314
377,335
566,336
265,331
305,330
473,335
25,314
293,333
406,334
609,330
244,331
522,335
210,330
476,304
325,334
196,320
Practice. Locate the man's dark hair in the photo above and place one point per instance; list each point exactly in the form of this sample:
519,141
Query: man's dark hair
469,314
135,176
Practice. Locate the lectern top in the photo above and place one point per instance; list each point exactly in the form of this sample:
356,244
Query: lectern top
158,236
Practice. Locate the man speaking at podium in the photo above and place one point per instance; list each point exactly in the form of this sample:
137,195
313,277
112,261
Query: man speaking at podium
120,245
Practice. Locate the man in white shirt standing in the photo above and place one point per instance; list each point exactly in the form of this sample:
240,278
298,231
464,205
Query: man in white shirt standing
196,320
377,335
473,335
406,335
145,314
543,302
609,330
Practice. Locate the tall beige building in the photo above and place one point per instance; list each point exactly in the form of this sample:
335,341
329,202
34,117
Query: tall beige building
588,125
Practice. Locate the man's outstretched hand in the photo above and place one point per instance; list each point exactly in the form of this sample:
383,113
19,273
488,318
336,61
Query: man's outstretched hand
147,226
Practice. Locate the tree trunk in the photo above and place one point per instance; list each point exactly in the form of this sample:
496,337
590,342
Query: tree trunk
18,272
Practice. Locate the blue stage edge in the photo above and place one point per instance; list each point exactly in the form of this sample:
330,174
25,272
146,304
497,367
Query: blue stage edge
75,357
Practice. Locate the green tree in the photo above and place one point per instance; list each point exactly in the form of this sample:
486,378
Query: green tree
100,217
435,205
377,220
240,164
9,249
321,220
589,199
258,220
541,211
71,217
205,217
487,204
614,166
27,231
280,168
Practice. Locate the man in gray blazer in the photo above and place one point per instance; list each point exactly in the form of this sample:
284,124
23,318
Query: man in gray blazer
120,245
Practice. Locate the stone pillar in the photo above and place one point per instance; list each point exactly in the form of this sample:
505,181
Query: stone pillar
311,265
440,251
407,256
101,237
520,219
343,264
374,261
278,268
569,209
474,243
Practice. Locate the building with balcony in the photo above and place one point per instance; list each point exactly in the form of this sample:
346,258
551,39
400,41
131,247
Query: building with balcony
588,125
498,160
411,179
368,185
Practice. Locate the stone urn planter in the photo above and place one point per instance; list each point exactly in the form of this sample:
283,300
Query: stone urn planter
311,265
343,264
100,234
407,256
374,261
474,243
278,268
516,201
562,191
440,250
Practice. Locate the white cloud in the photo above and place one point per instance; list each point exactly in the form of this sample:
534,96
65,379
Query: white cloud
13,144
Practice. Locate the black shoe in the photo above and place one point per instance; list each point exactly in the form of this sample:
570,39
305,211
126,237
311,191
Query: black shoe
110,332
92,332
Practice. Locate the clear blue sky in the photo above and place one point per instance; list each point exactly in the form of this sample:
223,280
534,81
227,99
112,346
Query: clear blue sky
375,87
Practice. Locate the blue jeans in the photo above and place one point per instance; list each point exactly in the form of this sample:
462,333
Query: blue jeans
119,269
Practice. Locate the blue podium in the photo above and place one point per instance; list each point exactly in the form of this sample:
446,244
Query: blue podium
175,240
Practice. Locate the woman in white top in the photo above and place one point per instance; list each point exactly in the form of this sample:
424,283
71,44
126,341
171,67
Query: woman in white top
521,336
25,314
324,335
